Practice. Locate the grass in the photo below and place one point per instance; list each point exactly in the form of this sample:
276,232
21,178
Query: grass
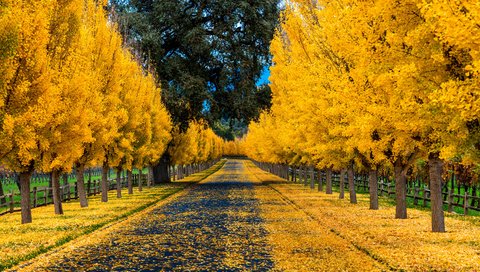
20,243
10,186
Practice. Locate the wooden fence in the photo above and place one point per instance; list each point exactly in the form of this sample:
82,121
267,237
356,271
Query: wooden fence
41,196
418,193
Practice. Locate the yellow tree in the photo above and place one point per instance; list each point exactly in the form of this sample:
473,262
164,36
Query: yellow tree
61,140
196,145
455,98
9,27
161,128
24,92
108,56
120,151
309,80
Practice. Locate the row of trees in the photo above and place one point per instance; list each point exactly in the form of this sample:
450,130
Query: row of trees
234,148
196,145
375,85
72,96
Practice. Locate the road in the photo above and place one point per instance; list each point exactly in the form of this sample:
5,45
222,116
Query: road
231,221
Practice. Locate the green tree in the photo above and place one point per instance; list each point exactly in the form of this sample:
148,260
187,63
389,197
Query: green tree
208,55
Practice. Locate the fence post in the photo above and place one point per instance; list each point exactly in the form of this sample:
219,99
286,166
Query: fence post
465,204
416,196
75,190
424,197
45,196
140,181
89,185
68,191
450,201
11,202
34,197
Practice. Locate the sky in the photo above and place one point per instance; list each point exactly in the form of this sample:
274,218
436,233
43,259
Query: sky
264,76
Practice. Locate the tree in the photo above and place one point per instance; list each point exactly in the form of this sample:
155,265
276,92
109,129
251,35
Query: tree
208,56
24,92
62,138
72,95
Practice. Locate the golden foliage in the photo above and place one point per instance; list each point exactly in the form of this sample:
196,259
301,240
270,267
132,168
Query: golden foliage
234,148
71,92
372,82
197,144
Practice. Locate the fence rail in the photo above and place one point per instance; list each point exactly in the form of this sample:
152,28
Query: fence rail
42,196
419,194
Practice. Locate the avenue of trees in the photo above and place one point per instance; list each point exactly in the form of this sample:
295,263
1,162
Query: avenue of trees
375,85
209,56
74,96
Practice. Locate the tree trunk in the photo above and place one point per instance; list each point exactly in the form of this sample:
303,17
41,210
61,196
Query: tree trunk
328,190
16,178
342,184
119,182
129,181
57,200
373,189
312,177
24,181
151,180
160,170
351,185
320,181
435,171
400,189
82,196
104,186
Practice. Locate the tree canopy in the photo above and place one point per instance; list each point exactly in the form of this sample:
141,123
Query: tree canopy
208,54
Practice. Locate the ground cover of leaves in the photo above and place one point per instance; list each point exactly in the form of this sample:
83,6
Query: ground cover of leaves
405,245
299,242
212,226
23,242
18,241
244,219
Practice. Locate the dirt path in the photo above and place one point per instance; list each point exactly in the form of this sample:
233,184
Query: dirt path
229,222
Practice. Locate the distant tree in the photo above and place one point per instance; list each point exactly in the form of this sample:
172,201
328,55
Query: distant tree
208,55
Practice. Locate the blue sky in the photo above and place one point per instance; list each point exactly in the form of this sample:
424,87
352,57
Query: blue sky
264,76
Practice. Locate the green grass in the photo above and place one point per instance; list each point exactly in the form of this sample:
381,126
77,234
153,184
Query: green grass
11,186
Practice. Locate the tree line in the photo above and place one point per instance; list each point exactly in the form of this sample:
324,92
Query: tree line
371,86
74,96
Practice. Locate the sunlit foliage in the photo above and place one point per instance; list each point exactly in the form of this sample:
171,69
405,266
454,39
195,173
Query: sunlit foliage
196,145
378,85
72,95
